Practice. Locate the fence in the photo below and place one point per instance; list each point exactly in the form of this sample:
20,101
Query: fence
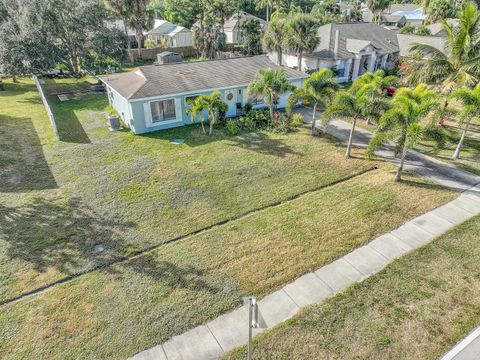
47,106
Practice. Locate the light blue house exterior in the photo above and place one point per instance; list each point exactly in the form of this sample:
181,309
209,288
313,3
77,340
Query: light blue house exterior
155,97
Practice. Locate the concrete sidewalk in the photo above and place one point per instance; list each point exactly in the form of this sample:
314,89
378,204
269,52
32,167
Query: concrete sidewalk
467,349
212,340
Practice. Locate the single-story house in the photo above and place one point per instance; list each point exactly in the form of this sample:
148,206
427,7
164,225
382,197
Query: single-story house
350,48
156,97
232,26
393,21
166,34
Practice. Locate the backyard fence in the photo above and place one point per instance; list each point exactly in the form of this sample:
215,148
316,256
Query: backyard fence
47,106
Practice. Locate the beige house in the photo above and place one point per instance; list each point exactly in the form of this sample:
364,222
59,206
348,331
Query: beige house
351,48
232,27
166,34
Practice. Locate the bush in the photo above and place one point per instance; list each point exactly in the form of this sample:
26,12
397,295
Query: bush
247,107
283,124
407,29
232,127
422,30
296,120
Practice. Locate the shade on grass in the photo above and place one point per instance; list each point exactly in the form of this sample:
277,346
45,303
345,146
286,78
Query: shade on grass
127,192
417,308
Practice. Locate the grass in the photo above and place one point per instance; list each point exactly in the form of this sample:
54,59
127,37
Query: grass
416,308
127,192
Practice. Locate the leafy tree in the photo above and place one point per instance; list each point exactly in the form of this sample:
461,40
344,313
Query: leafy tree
274,37
26,45
402,123
213,104
301,35
318,89
140,18
182,12
376,7
121,10
267,5
470,110
440,10
408,28
270,84
252,36
378,80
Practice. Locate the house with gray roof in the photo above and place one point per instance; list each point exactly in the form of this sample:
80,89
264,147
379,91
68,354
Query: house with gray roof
232,27
412,13
350,48
156,97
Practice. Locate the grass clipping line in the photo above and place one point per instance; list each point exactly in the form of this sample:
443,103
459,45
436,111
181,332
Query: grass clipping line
178,238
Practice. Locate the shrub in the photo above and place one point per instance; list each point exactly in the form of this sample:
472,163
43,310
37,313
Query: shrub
150,44
296,120
422,30
232,127
247,107
407,29
283,124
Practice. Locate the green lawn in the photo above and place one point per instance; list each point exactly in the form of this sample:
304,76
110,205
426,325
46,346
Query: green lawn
129,192
416,308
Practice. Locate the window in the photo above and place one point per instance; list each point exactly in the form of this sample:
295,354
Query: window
189,99
163,110
341,72
256,100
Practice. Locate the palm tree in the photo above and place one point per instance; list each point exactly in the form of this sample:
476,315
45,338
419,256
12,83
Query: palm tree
376,7
471,109
213,104
121,9
378,80
274,37
140,18
267,4
318,89
270,84
301,35
459,63
402,122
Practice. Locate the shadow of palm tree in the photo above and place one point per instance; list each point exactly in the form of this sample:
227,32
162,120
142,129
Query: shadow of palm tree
263,144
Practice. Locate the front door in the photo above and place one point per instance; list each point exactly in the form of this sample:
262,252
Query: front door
239,104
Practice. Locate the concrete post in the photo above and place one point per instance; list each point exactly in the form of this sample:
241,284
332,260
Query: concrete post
356,67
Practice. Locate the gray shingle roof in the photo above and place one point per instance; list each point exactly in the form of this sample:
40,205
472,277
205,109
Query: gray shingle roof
237,19
168,79
383,40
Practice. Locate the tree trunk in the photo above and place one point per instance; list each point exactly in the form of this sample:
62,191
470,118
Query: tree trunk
280,55
456,155
398,176
14,78
212,122
314,120
272,115
268,13
129,46
203,126
139,37
300,58
350,139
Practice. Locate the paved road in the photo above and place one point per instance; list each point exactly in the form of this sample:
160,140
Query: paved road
442,173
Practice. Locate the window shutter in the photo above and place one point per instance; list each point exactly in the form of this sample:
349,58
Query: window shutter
147,113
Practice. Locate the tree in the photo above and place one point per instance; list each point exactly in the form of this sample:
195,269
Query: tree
440,10
121,9
470,110
274,37
301,35
213,104
270,84
140,18
458,64
26,45
182,12
318,89
252,36
376,7
357,103
267,5
402,123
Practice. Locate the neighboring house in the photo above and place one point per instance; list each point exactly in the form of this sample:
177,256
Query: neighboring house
436,29
155,97
350,48
118,24
412,13
393,22
232,27
405,42
166,34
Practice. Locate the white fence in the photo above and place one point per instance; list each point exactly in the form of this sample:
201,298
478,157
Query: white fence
47,106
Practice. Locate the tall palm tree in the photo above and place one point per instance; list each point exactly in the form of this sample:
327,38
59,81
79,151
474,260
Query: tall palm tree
213,104
378,80
270,84
267,5
140,18
274,37
318,89
376,7
471,110
402,123
301,35
121,9
458,64
355,105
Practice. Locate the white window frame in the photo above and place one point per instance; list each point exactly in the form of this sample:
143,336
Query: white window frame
149,120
